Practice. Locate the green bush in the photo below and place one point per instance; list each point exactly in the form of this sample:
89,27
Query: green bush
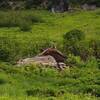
2,81
74,36
35,18
74,61
9,49
84,51
71,41
25,25
18,19
41,92
7,20
45,92
3,78
95,46
92,63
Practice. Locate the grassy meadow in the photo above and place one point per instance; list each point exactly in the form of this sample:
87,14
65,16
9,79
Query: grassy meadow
25,33
46,28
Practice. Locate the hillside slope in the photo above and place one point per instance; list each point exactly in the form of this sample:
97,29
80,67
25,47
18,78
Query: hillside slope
39,83
47,28
81,81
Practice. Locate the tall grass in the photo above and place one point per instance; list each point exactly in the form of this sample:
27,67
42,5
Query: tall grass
19,19
80,82
45,29
12,50
40,82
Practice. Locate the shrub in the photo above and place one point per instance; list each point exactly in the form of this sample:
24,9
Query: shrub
25,25
4,54
95,46
74,61
18,19
84,51
9,49
3,78
9,19
32,3
2,81
71,41
92,63
92,89
35,18
41,92
74,36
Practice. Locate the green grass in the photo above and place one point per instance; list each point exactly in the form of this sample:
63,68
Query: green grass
56,25
36,82
81,82
47,28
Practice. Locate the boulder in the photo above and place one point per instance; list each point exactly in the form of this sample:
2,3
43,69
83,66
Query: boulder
43,60
49,57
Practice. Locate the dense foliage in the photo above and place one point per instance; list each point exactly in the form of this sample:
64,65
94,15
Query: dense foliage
22,4
74,44
81,82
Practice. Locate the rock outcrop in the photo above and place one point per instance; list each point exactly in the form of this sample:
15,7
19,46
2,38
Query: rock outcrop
49,57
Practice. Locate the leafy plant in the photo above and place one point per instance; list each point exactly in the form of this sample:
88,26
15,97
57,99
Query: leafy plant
25,25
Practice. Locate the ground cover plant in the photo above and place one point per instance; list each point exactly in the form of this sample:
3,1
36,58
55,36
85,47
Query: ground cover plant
36,82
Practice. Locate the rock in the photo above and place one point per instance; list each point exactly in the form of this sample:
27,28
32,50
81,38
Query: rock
49,57
88,7
43,60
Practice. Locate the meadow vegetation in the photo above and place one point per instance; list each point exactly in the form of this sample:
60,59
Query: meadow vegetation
33,30
24,33
37,82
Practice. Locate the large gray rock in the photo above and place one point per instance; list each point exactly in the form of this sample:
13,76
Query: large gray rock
43,60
